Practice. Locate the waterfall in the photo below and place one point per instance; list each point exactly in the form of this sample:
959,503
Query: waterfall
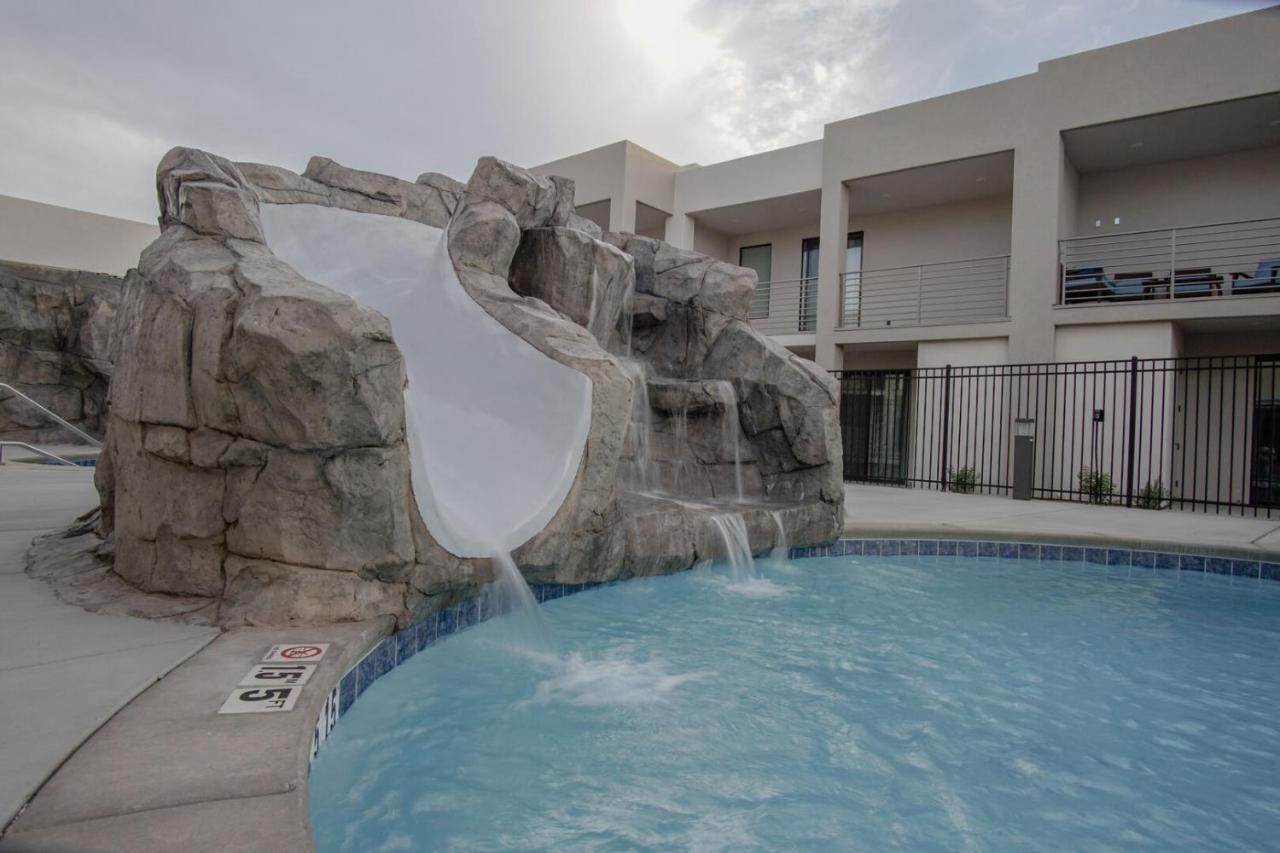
731,431
640,433
680,442
510,595
780,551
733,532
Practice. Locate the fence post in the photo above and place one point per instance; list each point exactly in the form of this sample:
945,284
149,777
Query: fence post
946,424
1133,429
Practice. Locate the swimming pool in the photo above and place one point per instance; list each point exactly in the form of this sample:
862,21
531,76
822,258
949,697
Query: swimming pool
860,702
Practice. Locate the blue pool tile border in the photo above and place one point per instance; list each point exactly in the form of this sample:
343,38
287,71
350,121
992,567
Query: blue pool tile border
397,648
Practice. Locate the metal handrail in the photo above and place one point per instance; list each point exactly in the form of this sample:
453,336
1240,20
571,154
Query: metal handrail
1168,228
969,290
946,263
55,457
61,421
800,280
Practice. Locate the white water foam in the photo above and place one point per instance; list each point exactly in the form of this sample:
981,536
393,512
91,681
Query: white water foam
614,678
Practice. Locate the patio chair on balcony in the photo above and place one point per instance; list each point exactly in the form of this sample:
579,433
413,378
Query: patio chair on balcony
1265,279
1089,282
1200,281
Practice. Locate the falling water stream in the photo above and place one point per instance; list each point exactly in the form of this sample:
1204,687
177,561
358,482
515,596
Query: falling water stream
781,552
730,431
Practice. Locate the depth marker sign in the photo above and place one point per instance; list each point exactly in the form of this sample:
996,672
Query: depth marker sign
260,700
275,684
278,675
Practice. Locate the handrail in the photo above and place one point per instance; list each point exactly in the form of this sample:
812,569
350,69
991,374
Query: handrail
808,278
1169,228
925,264
62,421
55,457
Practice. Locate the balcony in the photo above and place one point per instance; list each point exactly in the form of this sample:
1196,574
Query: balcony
1226,259
974,290
788,307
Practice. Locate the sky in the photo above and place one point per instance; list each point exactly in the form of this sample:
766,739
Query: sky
93,93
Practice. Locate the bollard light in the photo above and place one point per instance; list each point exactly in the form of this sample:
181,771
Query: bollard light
1024,457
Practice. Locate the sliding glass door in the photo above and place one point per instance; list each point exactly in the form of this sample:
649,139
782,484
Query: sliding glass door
760,259
808,285
851,293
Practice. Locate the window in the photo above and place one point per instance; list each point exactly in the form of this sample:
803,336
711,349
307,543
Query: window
851,297
851,292
760,259
808,285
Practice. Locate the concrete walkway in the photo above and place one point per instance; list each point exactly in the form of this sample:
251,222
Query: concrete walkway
63,671
888,510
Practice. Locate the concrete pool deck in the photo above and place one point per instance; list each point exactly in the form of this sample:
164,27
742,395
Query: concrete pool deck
891,511
63,671
112,722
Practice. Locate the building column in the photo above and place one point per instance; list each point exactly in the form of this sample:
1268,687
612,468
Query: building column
680,230
833,235
1038,178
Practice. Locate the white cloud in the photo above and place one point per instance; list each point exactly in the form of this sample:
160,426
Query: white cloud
94,93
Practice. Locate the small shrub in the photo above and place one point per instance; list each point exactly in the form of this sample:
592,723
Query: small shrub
1097,485
962,480
1152,496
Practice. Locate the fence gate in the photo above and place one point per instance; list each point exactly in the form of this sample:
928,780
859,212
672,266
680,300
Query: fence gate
1199,433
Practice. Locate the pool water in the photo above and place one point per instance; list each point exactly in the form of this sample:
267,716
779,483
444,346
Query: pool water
862,703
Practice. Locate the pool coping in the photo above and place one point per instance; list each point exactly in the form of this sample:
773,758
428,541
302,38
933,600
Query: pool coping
1248,550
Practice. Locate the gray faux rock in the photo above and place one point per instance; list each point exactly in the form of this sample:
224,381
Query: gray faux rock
56,345
256,455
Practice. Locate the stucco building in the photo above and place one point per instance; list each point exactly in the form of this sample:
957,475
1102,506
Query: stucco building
1093,248
1035,219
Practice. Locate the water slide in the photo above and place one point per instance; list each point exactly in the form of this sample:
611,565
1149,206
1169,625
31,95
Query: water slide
496,429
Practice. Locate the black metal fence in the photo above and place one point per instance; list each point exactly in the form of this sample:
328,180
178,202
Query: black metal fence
1199,433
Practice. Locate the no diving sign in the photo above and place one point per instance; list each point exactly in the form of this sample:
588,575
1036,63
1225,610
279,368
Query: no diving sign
296,653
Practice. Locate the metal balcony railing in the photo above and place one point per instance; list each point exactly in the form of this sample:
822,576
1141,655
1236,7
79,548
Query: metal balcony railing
786,307
973,290
1199,261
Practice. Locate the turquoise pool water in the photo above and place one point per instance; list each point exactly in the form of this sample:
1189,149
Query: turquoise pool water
864,703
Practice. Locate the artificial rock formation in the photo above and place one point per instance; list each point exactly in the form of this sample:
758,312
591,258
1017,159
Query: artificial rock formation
256,449
56,331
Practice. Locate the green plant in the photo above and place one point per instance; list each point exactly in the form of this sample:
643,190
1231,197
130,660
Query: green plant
1097,485
1152,496
962,480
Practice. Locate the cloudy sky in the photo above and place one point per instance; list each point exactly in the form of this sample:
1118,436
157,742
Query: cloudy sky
93,93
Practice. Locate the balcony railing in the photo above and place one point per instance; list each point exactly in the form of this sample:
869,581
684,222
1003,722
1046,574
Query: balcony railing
1200,261
974,290
787,307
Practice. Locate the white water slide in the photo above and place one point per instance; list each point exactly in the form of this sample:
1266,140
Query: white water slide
496,429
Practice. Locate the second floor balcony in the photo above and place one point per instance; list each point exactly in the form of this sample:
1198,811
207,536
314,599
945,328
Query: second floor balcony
1225,259
1216,260
972,290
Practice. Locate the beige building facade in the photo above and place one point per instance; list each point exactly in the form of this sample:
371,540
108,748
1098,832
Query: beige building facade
32,232
1118,202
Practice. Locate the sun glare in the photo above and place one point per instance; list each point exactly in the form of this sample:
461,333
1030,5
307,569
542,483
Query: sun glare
669,41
